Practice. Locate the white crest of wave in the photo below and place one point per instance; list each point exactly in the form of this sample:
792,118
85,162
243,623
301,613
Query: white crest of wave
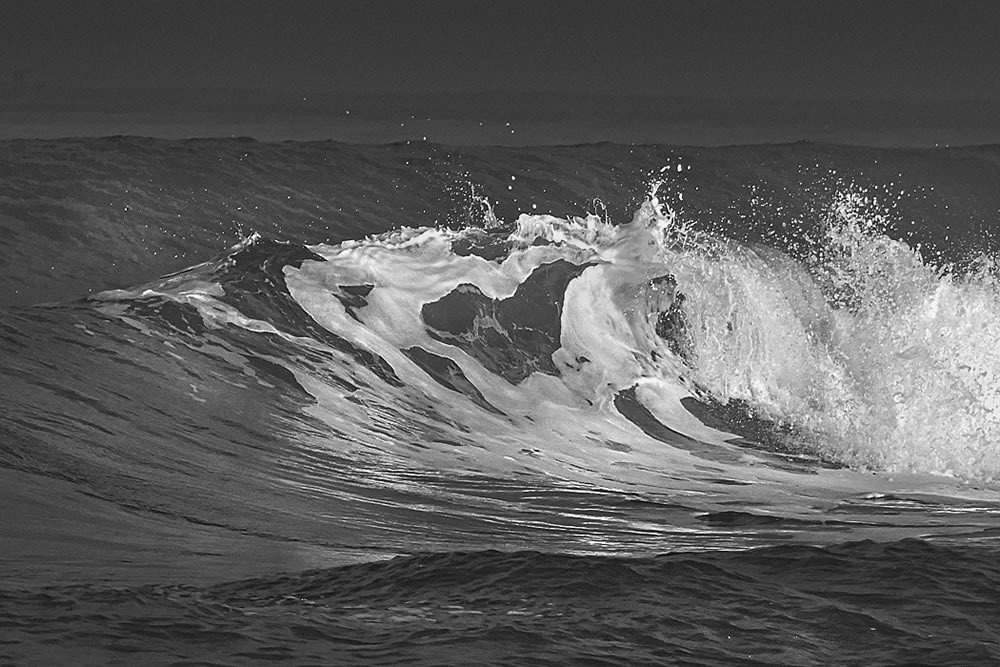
865,353
869,353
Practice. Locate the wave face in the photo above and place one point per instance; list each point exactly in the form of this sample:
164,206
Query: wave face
434,403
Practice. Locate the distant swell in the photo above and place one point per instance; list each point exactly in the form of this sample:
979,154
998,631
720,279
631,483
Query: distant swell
442,607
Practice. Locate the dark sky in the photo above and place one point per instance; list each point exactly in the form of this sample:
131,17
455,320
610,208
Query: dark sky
803,49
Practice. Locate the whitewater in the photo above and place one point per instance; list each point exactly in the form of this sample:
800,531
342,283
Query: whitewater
324,403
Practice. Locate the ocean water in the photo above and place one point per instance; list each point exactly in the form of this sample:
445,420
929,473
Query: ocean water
323,403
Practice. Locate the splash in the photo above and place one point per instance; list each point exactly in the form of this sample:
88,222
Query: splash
872,355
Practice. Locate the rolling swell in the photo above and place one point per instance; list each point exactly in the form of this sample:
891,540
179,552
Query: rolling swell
544,609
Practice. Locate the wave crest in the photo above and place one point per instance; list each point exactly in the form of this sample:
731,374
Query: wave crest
864,354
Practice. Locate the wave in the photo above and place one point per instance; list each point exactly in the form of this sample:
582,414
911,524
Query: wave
579,330
515,376
530,402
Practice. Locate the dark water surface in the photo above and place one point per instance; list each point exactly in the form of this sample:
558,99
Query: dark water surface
413,403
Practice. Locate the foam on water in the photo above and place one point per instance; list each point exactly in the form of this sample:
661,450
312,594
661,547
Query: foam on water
647,357
866,355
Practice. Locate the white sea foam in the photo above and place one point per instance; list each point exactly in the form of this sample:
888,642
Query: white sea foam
874,356
867,354
864,354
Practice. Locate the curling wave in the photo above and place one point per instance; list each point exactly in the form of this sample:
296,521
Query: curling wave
863,355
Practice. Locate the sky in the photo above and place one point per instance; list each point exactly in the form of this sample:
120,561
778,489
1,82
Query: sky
840,50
